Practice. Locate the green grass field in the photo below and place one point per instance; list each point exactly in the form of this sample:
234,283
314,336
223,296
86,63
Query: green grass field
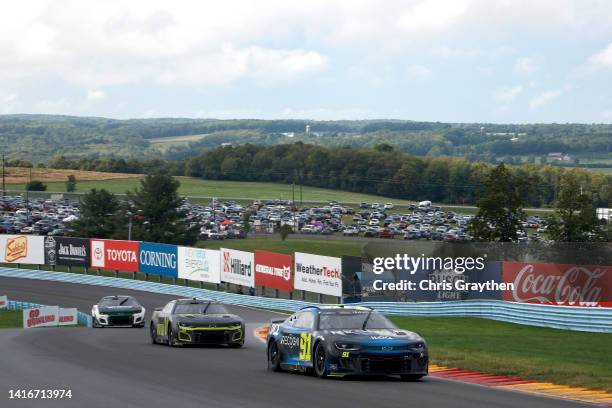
293,243
11,319
559,356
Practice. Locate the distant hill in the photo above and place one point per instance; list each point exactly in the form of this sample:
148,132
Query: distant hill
37,138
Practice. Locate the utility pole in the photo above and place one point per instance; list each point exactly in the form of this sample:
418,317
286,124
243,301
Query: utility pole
3,177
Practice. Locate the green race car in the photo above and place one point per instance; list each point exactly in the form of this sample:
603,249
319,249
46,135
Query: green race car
196,322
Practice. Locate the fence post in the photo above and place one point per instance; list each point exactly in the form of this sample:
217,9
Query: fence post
69,268
99,271
290,295
116,273
276,293
218,287
159,278
320,298
201,285
303,295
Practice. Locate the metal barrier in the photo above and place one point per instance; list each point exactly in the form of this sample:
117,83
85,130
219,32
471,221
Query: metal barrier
82,318
589,319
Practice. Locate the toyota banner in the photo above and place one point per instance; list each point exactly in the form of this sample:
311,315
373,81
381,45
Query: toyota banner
273,270
114,255
318,274
237,267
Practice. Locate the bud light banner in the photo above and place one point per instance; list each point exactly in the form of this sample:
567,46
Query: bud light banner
199,264
237,267
67,251
273,270
559,284
158,259
319,274
114,255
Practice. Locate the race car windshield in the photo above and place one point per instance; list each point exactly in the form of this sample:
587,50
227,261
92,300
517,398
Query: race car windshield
122,301
354,321
199,308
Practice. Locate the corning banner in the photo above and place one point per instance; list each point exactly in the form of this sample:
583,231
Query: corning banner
67,251
237,267
114,255
27,249
319,274
158,259
273,270
558,284
40,317
3,302
67,317
199,264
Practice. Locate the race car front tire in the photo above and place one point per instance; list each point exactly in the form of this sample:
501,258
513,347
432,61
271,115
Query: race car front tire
320,361
171,341
273,357
410,377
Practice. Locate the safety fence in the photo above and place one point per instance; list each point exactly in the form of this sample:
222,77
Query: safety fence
82,318
591,319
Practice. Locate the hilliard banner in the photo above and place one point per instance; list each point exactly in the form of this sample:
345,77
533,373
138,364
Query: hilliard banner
559,284
237,267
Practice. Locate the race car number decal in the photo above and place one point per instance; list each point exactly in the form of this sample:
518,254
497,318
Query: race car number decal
305,342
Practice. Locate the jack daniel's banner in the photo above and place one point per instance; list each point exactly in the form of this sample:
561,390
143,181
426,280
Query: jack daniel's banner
67,251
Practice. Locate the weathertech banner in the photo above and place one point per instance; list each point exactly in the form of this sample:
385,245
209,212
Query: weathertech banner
199,264
558,284
26,249
3,302
41,317
273,270
114,255
319,274
67,251
237,267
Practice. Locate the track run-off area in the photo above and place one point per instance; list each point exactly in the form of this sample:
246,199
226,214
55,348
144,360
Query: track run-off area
119,367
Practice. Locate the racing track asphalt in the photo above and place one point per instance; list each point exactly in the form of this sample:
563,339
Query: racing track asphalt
120,368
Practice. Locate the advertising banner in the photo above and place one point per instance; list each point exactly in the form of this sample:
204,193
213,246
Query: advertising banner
558,284
199,264
67,251
67,317
40,317
237,267
114,255
273,270
158,259
3,302
27,249
319,274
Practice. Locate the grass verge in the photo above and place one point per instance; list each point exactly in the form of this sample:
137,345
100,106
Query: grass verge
11,319
559,356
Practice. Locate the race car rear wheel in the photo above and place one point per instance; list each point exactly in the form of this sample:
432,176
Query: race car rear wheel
320,361
410,377
273,357
153,331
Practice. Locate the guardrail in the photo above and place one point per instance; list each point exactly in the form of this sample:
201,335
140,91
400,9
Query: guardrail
82,318
560,317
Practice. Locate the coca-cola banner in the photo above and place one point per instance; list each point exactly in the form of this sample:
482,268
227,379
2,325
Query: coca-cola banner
237,267
114,255
558,284
273,270
67,251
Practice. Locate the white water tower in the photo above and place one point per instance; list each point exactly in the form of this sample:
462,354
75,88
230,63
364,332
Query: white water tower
307,129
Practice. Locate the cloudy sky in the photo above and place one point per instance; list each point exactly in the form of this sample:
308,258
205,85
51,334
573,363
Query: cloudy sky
456,60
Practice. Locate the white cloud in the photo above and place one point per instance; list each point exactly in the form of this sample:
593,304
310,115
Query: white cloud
508,93
525,66
544,98
602,59
93,95
9,103
417,71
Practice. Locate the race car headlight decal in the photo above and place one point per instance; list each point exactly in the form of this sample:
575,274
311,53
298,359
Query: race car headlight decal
347,346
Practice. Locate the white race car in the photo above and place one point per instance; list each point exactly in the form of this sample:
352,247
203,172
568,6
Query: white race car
113,311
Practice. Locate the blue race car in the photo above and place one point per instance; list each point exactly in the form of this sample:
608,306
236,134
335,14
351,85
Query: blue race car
345,340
